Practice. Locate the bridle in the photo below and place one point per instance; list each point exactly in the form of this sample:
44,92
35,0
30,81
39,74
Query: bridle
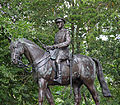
21,64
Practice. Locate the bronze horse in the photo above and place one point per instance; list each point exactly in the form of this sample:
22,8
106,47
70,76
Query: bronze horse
84,71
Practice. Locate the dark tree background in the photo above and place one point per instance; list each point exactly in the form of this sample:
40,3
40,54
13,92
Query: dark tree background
95,32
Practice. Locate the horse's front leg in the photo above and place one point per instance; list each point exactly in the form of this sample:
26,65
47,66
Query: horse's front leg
49,96
42,88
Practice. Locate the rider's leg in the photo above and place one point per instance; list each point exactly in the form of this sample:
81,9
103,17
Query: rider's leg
59,79
55,68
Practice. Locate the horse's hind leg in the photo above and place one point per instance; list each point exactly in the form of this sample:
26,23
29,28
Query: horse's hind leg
49,96
92,90
77,96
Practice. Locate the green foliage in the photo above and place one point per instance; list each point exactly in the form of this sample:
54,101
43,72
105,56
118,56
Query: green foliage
93,21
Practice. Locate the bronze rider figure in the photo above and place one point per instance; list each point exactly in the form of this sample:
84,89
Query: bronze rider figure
61,50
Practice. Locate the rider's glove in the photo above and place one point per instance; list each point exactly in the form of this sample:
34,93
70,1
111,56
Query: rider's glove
49,47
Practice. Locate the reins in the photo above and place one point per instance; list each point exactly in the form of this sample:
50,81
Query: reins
23,65
43,60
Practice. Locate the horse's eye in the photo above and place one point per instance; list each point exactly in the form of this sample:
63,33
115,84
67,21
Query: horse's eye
14,47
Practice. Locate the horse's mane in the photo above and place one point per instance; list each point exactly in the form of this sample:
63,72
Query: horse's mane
26,41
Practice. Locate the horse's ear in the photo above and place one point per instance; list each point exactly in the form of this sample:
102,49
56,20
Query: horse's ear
9,39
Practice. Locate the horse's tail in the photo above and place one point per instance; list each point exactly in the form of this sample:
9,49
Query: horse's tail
100,75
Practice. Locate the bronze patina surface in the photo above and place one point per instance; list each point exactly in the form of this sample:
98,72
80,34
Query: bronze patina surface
84,71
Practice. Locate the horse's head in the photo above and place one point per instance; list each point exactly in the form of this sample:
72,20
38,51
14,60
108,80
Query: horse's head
16,49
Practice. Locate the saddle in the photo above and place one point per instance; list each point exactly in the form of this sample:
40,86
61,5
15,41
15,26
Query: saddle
53,56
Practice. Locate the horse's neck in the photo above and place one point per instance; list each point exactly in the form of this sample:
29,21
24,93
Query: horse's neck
33,53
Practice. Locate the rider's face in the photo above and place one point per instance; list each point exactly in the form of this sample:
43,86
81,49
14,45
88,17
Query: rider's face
60,24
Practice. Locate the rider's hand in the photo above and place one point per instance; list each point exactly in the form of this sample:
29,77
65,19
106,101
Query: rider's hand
49,47
55,46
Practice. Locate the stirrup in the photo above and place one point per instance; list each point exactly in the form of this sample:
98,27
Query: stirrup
58,80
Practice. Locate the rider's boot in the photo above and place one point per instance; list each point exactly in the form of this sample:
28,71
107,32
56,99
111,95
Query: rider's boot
59,79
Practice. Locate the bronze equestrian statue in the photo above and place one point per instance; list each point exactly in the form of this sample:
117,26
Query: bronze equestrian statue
84,69
61,43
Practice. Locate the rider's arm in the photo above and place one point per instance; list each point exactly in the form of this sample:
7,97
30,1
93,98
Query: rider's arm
66,43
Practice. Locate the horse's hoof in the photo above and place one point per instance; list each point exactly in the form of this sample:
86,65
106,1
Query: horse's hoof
108,95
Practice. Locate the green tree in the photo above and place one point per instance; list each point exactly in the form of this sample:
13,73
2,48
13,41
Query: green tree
95,31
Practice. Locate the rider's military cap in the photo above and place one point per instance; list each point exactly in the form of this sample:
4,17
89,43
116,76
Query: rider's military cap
59,20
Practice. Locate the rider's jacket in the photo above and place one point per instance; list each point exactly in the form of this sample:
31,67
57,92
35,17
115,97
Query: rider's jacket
62,41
